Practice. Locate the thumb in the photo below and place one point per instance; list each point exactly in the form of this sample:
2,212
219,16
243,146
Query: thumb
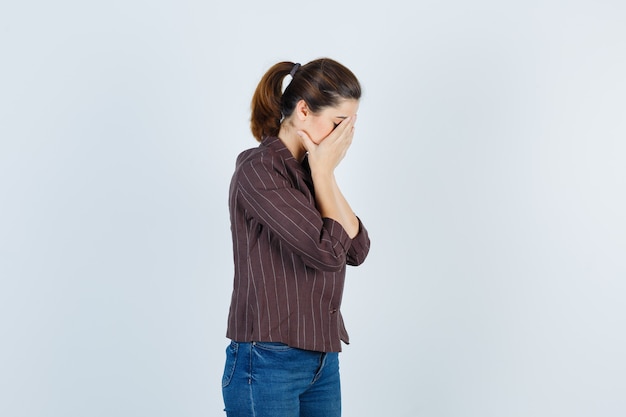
309,145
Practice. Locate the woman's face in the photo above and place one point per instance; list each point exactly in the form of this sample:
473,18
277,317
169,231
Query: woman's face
319,125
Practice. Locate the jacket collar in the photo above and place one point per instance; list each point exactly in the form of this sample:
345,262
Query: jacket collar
277,146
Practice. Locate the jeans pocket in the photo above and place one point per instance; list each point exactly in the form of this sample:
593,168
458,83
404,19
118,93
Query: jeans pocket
273,346
231,363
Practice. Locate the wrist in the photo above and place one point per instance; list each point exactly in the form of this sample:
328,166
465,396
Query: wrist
322,176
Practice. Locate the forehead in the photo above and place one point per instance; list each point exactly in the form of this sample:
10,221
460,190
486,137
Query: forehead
345,108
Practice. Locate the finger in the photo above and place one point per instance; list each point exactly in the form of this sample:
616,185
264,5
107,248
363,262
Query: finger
348,132
346,124
348,120
340,131
309,145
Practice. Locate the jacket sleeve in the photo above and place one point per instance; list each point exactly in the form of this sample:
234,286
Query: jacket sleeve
270,200
359,248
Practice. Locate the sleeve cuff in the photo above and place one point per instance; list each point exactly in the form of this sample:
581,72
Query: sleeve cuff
361,242
338,233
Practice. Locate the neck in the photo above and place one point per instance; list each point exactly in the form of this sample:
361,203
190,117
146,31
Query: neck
292,141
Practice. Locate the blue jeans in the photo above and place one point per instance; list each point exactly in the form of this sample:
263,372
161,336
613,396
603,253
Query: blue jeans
274,380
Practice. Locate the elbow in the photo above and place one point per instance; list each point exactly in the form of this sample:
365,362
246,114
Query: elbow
328,264
357,254
356,259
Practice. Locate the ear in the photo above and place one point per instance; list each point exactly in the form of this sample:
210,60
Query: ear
302,110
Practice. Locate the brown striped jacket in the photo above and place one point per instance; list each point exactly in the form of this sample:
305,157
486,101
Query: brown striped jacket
290,263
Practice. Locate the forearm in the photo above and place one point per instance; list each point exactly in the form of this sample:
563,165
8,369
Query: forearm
266,205
332,204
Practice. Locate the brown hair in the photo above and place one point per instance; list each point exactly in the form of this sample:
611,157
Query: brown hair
321,83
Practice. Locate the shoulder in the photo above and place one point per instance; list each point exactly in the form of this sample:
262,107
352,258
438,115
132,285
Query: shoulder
260,167
260,158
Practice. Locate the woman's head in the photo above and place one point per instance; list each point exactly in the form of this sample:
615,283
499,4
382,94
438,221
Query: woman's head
320,84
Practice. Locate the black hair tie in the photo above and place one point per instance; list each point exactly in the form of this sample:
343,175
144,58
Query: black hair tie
294,69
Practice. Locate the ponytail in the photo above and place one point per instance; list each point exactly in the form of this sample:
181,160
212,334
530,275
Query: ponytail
320,83
266,101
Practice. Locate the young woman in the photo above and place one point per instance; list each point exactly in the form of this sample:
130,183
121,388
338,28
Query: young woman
293,235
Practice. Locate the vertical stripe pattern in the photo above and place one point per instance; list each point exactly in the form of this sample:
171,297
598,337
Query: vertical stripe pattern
289,262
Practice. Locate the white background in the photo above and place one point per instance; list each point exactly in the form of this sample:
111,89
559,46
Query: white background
488,165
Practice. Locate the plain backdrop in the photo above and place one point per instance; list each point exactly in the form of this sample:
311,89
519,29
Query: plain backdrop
488,165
